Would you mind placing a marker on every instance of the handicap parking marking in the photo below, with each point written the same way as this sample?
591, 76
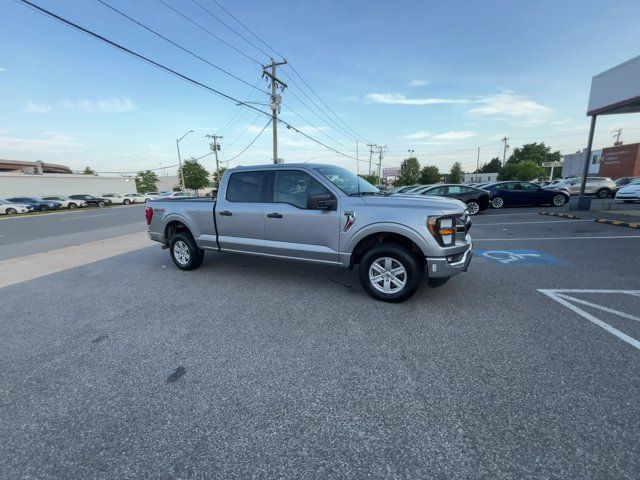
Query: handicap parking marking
518, 257
563, 298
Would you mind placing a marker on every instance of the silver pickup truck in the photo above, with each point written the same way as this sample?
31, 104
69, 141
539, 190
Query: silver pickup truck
323, 214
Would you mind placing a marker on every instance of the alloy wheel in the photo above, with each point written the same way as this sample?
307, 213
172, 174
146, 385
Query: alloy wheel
181, 252
387, 275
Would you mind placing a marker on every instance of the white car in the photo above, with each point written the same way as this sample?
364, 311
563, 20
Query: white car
117, 199
66, 202
137, 197
8, 208
175, 195
630, 193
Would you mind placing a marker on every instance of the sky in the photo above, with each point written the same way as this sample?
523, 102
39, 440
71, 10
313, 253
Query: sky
439, 78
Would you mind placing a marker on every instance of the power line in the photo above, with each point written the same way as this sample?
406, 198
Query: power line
313, 126
184, 49
251, 143
207, 31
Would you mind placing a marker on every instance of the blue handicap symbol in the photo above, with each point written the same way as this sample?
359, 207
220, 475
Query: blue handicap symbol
517, 257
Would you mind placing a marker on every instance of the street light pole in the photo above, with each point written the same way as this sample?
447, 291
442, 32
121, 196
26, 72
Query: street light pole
180, 158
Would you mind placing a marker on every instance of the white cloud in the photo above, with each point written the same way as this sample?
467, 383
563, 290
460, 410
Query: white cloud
417, 135
516, 107
108, 105
2, 69
38, 107
417, 83
400, 99
460, 135
50, 143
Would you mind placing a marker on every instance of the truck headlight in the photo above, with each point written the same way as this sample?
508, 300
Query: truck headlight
443, 230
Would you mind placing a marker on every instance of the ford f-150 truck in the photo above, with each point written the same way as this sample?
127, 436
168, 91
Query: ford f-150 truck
323, 214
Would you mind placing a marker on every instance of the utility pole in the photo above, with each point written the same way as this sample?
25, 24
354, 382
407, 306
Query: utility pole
381, 149
215, 148
180, 158
275, 100
478, 165
616, 134
371, 146
504, 152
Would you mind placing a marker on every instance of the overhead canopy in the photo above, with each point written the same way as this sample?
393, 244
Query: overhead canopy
616, 90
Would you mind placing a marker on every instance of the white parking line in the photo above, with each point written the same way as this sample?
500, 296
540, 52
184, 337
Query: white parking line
477, 224
599, 307
551, 238
553, 294
87, 216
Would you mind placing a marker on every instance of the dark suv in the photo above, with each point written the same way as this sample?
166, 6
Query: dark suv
91, 200
36, 202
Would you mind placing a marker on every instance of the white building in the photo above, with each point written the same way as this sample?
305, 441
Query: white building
573, 163
17, 183
480, 177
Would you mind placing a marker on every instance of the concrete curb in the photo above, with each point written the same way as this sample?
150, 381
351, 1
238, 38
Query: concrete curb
563, 215
617, 223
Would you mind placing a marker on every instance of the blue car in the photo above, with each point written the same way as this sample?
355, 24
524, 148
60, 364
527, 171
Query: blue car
518, 194
36, 203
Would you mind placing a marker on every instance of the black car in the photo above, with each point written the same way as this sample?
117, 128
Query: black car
624, 181
511, 194
36, 203
91, 200
477, 200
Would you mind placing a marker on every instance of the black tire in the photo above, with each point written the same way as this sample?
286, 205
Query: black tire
195, 255
603, 193
438, 282
72, 205
11, 211
400, 255
44, 208
101, 204
497, 202
127, 202
473, 207
555, 201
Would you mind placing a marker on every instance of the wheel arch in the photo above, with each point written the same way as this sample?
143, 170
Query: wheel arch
176, 224
395, 234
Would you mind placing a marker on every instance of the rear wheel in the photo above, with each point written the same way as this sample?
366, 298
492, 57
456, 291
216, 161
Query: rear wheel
72, 205
184, 252
603, 193
473, 207
44, 207
497, 202
101, 204
559, 200
127, 202
390, 273
11, 211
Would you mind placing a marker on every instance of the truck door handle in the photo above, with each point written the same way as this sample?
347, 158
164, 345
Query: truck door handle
274, 215
226, 213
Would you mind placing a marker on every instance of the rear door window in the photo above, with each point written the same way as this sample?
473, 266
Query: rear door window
248, 187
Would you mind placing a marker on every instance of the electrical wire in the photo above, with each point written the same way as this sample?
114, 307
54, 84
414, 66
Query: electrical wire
184, 49
250, 144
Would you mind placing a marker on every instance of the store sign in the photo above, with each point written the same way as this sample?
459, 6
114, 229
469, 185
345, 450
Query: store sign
391, 172
617, 90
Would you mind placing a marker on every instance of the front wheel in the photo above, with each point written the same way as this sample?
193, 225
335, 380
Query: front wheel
497, 202
184, 252
603, 193
127, 202
44, 208
559, 200
101, 204
390, 273
473, 207
72, 205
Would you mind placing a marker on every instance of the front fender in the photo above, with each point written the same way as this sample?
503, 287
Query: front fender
427, 246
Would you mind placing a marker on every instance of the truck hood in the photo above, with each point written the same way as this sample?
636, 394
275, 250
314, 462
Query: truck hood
448, 206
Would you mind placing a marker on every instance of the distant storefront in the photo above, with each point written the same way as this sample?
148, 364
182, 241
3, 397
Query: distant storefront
620, 161
480, 177
573, 163
13, 184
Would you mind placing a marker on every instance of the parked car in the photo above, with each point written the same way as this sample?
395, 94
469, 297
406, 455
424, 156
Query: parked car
477, 200
91, 200
36, 203
514, 193
175, 195
67, 202
321, 214
117, 199
630, 193
601, 187
8, 208
137, 197
621, 182
402, 189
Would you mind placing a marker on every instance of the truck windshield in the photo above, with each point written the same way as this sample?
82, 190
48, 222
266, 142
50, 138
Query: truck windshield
347, 181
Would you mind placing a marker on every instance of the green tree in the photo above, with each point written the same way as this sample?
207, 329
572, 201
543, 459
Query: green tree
534, 152
429, 174
372, 178
525, 171
493, 166
146, 181
88, 171
456, 175
409, 172
195, 175
216, 181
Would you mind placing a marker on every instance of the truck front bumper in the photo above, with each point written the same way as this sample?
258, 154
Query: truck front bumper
439, 267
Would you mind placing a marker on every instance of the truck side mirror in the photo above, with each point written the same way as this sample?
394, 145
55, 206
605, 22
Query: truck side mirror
322, 201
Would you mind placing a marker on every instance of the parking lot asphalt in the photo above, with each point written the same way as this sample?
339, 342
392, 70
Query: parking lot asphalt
251, 367
28, 234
